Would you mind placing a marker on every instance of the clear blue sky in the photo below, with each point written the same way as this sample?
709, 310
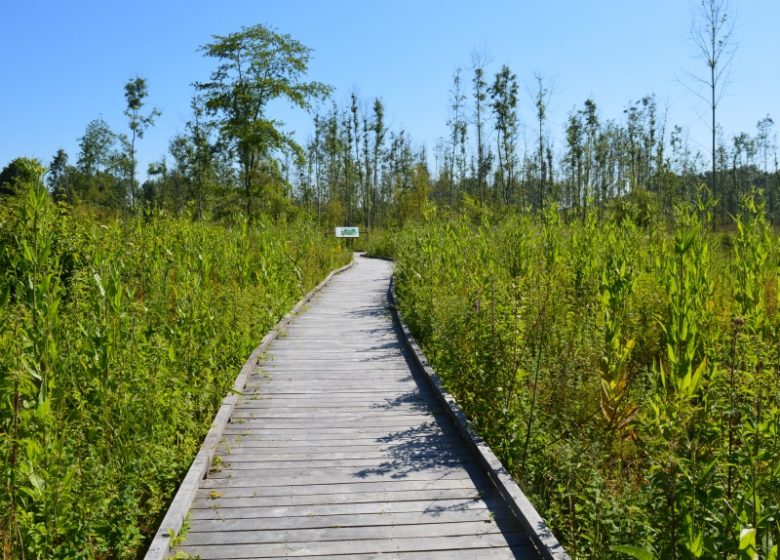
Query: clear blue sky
65, 63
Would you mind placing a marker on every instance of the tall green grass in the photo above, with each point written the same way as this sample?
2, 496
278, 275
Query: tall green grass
625, 370
118, 341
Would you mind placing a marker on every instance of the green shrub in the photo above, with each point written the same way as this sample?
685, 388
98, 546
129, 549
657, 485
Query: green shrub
118, 341
624, 370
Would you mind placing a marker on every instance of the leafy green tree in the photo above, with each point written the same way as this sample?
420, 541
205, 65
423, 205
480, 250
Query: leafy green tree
480, 92
402, 164
96, 147
574, 156
57, 170
205, 156
591, 120
333, 167
20, 171
256, 66
355, 135
351, 185
315, 157
458, 129
100, 166
367, 168
378, 127
764, 142
503, 94
196, 174
541, 99
764, 146
135, 93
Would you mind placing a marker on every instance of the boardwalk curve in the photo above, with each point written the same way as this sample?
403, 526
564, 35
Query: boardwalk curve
339, 448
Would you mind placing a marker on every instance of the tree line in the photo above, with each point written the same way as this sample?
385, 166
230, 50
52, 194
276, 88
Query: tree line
233, 158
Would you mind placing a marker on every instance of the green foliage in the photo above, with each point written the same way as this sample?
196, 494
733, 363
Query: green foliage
617, 283
380, 243
503, 95
256, 65
135, 93
19, 172
625, 370
118, 341
97, 148
634, 552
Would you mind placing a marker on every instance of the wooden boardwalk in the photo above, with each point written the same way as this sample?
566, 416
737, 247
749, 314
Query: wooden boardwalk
339, 449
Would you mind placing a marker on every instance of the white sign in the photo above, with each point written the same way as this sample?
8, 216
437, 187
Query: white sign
347, 232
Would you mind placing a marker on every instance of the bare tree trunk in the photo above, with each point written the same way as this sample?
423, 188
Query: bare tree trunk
712, 34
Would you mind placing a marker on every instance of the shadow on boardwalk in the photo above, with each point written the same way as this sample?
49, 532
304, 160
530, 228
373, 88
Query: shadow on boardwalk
422, 448
349, 454
413, 401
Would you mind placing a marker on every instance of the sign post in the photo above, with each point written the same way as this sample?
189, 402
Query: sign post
349, 233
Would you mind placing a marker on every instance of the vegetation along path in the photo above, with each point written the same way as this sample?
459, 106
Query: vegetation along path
338, 448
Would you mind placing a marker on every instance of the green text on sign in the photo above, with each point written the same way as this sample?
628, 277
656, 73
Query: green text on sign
347, 232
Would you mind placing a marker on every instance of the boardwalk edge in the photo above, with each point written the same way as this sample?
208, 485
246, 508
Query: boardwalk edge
538, 530
173, 521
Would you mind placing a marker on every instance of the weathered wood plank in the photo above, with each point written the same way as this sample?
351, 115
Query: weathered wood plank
347, 489
376, 418
326, 436
262, 410
509, 553
298, 549
297, 450
325, 476
383, 433
240, 452
384, 462
253, 456
359, 520
382, 428
218, 501
431, 506
386, 469
264, 389
280, 407
337, 447
315, 441
325, 386
333, 374
423, 531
